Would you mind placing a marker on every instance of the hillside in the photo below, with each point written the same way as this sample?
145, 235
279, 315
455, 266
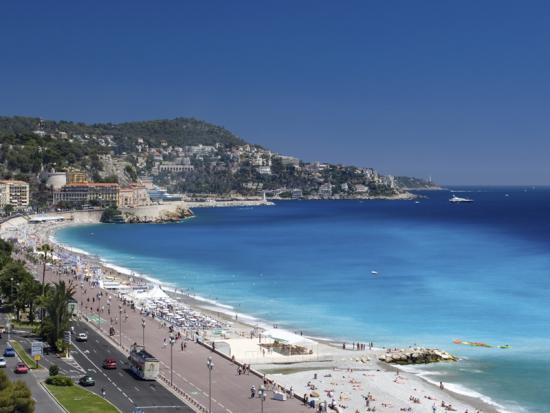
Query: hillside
179, 131
183, 155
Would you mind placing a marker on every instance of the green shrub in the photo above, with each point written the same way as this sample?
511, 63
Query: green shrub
54, 370
59, 381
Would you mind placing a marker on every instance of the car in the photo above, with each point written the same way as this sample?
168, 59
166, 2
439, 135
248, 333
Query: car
9, 352
82, 337
87, 381
2, 362
21, 368
109, 364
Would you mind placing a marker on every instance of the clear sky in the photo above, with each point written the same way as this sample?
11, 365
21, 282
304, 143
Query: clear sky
459, 90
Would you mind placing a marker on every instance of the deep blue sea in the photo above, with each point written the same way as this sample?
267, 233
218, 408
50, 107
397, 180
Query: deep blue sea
476, 272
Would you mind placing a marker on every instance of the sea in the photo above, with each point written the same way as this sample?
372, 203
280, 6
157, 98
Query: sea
397, 273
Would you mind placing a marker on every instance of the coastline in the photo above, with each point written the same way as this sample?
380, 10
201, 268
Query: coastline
246, 322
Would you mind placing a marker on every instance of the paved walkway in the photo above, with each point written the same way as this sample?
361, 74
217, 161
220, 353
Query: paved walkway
230, 392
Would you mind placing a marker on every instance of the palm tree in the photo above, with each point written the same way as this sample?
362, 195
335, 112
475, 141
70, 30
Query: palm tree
45, 249
57, 306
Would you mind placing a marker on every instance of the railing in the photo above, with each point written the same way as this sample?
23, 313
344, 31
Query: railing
183, 394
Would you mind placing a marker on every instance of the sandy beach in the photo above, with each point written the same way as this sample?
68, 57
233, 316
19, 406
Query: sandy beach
349, 379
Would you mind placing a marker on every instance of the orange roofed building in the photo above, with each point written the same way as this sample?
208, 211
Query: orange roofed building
91, 193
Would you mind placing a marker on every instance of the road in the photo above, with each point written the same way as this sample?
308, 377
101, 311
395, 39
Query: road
230, 392
32, 379
121, 387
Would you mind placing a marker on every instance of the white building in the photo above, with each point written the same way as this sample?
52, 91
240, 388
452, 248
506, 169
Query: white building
325, 190
15, 193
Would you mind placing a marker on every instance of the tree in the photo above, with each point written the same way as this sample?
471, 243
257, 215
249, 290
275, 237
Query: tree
12, 275
5, 252
8, 209
28, 296
15, 397
45, 249
22, 396
57, 306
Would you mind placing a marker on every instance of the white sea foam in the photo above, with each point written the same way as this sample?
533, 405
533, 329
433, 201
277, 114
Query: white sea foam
455, 387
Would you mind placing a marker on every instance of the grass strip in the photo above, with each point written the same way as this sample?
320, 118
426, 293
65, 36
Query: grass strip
23, 355
75, 399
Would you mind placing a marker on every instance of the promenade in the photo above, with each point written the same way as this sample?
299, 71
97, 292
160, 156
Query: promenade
190, 375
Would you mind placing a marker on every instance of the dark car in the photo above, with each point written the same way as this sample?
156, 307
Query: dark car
87, 381
21, 368
109, 364
9, 352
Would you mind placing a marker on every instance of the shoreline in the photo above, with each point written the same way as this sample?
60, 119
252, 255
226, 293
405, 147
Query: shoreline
244, 322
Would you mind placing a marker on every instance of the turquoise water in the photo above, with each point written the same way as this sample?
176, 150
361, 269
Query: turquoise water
477, 272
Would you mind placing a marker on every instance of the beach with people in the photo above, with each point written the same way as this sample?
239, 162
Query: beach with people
343, 376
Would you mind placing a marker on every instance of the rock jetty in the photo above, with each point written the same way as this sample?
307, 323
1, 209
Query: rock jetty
416, 356
162, 216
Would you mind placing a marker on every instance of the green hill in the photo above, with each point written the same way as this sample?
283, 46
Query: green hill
178, 131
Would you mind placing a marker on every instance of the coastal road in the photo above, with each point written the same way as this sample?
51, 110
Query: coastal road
230, 392
31, 379
122, 388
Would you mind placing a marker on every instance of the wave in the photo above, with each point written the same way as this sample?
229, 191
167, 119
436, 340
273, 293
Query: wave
457, 388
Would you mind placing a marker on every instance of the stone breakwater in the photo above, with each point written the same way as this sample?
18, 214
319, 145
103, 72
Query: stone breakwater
156, 214
416, 356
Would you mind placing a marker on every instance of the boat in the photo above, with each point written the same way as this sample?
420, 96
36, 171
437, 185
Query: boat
457, 200
374, 273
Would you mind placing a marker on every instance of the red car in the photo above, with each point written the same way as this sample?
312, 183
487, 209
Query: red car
109, 364
21, 368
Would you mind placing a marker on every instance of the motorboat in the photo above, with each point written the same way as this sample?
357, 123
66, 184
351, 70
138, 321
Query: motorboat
457, 200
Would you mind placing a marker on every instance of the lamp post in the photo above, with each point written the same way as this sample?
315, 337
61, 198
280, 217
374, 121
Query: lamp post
120, 322
143, 327
81, 297
210, 366
98, 311
11, 292
261, 394
172, 341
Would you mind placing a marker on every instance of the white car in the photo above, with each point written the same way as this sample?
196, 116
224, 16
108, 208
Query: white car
82, 337
2, 362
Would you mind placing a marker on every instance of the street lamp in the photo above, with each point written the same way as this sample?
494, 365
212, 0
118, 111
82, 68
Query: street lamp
120, 322
11, 292
172, 341
261, 394
210, 366
98, 311
143, 327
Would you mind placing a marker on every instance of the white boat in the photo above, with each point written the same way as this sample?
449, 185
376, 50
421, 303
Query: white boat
374, 273
457, 200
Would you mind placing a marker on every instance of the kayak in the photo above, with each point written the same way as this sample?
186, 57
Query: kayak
480, 344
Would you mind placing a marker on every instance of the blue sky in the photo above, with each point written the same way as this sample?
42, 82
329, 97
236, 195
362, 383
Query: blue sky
459, 90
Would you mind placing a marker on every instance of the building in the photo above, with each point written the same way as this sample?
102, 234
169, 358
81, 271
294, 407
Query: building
14, 193
56, 180
133, 196
289, 161
100, 194
173, 167
74, 176
325, 190
264, 170
297, 193
361, 189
